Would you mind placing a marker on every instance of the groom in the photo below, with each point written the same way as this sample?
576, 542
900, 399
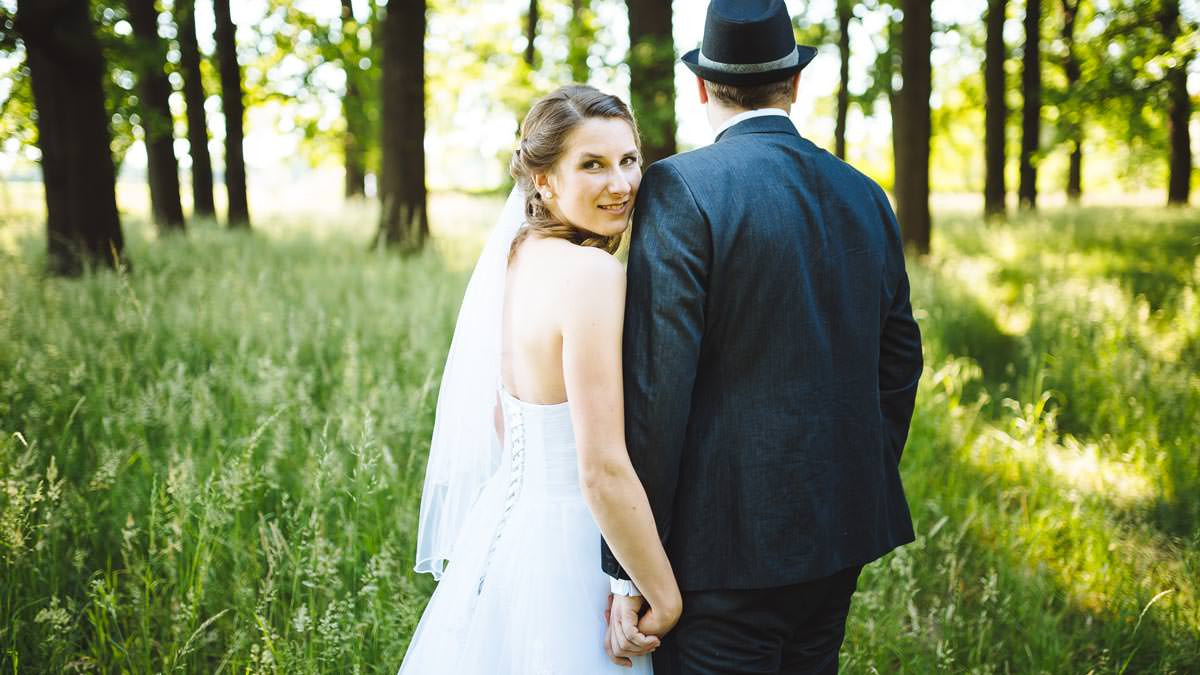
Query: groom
771, 362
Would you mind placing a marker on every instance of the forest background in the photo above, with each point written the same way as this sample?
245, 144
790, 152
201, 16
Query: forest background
233, 237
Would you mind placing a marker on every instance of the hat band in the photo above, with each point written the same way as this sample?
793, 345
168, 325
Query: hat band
743, 68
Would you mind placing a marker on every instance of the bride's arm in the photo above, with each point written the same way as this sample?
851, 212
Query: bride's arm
591, 333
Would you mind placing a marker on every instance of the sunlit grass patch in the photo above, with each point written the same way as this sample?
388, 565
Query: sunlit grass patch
211, 462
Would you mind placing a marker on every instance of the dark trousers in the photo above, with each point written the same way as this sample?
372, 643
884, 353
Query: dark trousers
791, 629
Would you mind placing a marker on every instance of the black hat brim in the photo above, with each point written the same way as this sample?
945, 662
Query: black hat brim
692, 61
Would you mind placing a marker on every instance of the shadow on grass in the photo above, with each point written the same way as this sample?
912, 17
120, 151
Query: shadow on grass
1150, 252
1111, 626
1013, 572
1109, 381
954, 322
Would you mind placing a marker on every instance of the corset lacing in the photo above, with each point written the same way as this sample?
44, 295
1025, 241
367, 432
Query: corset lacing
516, 429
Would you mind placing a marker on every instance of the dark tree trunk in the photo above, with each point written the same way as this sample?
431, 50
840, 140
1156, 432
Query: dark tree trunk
581, 34
531, 22
154, 92
652, 75
912, 125
404, 222
995, 112
844, 12
193, 95
66, 70
1179, 114
1031, 113
1074, 121
234, 108
352, 108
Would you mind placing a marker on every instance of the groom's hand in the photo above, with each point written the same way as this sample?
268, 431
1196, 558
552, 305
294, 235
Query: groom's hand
623, 640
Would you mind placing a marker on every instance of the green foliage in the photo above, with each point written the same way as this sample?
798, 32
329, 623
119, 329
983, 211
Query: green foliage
1051, 465
121, 55
233, 481
653, 100
214, 464
308, 63
581, 35
18, 116
1125, 61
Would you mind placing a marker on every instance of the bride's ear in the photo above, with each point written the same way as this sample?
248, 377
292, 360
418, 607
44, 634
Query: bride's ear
542, 183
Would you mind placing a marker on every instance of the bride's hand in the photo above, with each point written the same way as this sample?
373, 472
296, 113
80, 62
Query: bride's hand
624, 639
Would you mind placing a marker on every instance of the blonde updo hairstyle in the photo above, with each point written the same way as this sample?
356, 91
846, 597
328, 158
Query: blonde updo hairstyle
543, 143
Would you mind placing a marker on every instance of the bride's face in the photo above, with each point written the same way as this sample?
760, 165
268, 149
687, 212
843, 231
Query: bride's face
595, 181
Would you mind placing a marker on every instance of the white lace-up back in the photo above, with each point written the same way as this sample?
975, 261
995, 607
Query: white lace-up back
529, 549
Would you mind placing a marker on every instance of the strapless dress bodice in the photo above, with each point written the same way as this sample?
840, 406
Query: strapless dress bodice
539, 449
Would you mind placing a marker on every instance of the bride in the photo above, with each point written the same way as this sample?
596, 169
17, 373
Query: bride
528, 465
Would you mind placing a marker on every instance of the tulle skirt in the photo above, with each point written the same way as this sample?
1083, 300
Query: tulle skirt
523, 594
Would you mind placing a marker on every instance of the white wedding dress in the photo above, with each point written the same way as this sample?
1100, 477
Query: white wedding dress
523, 593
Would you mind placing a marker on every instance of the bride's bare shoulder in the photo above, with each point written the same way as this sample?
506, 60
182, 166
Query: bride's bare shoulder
575, 268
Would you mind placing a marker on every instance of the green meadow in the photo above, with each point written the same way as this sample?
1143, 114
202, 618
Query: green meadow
211, 462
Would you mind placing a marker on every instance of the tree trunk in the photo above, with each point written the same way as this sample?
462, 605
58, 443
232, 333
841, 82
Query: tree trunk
404, 222
995, 112
1074, 121
913, 125
154, 92
193, 95
652, 76
531, 32
66, 69
234, 108
1179, 114
844, 13
581, 33
1031, 113
352, 108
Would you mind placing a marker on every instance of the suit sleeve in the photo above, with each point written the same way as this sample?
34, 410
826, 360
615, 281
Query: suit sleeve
669, 257
900, 360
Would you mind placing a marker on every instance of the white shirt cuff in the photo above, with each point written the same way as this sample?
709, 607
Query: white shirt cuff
623, 587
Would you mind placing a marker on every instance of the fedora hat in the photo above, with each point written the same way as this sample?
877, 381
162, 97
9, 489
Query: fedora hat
748, 42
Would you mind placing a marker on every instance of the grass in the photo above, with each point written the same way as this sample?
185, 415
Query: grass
212, 463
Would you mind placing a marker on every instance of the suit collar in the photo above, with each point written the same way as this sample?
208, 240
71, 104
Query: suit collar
772, 124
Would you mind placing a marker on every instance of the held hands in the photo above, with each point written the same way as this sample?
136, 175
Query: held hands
631, 632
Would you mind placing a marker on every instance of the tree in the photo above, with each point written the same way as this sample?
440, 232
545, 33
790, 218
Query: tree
154, 91
1073, 118
652, 75
234, 109
404, 221
352, 107
996, 110
197, 120
912, 126
65, 67
1179, 110
531, 22
845, 11
1031, 112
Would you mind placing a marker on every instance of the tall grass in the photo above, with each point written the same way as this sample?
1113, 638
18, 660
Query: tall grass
212, 462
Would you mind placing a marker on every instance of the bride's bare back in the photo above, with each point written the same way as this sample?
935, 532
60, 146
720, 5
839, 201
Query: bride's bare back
543, 285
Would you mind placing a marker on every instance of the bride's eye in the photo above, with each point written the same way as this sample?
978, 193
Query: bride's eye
629, 160
591, 164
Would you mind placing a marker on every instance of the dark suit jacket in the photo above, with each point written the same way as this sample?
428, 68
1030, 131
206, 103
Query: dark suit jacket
771, 361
